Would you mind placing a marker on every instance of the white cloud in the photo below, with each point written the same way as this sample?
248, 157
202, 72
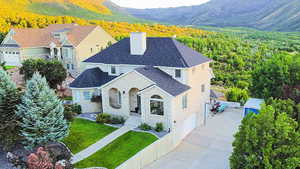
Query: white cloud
157, 3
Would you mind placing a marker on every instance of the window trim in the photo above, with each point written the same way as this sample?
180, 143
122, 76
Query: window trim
157, 100
111, 70
184, 100
203, 88
176, 73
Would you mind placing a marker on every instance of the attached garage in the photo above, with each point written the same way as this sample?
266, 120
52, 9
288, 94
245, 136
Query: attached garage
12, 58
10, 53
184, 128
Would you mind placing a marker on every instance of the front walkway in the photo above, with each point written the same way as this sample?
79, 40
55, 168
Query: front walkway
206, 147
100, 144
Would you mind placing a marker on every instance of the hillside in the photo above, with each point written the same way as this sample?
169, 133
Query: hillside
277, 15
88, 9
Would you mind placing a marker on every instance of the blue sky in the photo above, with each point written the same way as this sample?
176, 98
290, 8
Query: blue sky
157, 3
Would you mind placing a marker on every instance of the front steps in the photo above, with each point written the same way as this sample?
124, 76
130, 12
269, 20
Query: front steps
133, 121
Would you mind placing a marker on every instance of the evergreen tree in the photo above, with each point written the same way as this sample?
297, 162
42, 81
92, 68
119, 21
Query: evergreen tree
42, 114
266, 141
9, 98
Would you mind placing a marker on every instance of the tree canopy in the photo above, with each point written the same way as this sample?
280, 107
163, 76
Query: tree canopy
266, 141
52, 70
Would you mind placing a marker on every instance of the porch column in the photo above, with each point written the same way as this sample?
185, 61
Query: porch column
51, 53
58, 53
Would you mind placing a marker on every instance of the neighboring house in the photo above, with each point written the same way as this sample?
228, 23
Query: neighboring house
158, 80
69, 43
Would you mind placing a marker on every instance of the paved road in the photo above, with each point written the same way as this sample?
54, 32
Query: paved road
207, 147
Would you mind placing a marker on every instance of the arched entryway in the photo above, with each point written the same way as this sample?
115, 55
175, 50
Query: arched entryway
134, 101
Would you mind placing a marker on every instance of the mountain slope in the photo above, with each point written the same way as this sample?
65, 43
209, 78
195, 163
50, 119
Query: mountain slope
282, 15
87, 9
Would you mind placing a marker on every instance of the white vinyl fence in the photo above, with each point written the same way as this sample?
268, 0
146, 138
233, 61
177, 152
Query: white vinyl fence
151, 153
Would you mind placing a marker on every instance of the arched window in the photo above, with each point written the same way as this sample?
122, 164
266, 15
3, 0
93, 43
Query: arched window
157, 105
115, 98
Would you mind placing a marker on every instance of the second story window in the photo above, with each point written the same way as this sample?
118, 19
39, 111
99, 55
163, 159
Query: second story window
91, 50
203, 88
113, 70
177, 73
184, 102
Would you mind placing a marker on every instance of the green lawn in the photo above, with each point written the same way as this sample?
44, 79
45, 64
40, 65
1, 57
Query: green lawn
84, 133
9, 67
118, 151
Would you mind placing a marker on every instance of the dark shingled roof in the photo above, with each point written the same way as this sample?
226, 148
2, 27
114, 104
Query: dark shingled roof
91, 78
163, 80
160, 52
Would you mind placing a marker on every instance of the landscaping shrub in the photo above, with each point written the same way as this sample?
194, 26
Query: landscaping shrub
117, 120
71, 111
103, 118
76, 108
237, 95
40, 160
159, 127
145, 127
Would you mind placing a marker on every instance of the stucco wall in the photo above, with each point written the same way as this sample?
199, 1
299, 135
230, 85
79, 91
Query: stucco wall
86, 105
96, 37
171, 72
34, 52
198, 76
124, 84
152, 119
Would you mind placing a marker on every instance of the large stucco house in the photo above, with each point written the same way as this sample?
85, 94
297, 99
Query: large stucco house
69, 43
157, 80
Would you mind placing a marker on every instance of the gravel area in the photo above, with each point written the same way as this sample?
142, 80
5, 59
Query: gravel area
4, 164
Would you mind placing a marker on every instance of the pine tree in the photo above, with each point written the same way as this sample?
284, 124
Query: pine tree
9, 98
42, 114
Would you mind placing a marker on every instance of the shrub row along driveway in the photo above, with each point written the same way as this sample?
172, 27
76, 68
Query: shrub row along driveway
206, 147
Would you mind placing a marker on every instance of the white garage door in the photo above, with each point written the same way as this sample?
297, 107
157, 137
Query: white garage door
12, 59
184, 128
188, 125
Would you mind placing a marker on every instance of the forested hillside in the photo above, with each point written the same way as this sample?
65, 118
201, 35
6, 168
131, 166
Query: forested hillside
278, 15
236, 52
88, 9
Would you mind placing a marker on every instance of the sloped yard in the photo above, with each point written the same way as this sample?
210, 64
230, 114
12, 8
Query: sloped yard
84, 133
118, 151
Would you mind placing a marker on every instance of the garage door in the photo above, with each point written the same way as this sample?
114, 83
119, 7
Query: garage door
188, 125
12, 59
184, 128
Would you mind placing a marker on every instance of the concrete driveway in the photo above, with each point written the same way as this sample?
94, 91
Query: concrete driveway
207, 147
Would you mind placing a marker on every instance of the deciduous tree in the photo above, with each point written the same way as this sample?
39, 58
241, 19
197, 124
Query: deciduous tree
266, 141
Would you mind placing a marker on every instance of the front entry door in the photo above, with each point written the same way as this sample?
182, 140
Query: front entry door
133, 101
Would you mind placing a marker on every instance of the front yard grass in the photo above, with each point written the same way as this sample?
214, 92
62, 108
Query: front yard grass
84, 133
9, 67
120, 150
